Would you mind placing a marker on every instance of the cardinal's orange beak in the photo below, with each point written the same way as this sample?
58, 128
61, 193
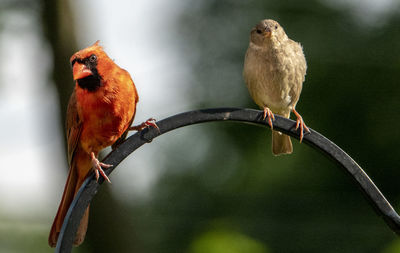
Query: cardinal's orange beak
79, 71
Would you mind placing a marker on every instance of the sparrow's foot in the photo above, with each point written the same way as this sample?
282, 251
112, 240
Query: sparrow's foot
97, 166
268, 113
300, 123
148, 123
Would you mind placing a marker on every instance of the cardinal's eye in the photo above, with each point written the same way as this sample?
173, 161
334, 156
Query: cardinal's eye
93, 58
259, 31
73, 62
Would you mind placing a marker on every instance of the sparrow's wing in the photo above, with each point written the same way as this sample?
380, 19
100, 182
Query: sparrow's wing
299, 67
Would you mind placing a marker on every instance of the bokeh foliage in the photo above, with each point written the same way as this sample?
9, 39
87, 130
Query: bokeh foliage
222, 189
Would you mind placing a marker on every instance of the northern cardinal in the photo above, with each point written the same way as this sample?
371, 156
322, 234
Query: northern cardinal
100, 112
274, 72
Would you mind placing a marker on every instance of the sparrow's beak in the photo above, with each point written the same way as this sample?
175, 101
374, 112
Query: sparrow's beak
79, 71
267, 32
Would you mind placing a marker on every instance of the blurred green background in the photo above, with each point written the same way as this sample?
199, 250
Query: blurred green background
214, 187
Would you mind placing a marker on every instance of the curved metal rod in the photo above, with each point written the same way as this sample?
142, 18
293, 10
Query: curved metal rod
287, 126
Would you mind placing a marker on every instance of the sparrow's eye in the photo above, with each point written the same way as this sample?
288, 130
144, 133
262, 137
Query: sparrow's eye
93, 58
259, 31
276, 27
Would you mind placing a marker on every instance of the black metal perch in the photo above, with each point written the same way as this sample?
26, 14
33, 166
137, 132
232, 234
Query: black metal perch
314, 139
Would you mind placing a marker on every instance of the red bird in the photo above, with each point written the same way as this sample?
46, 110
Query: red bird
100, 111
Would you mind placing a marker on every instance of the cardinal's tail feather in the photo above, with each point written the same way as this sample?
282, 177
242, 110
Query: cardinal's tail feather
71, 187
81, 233
67, 197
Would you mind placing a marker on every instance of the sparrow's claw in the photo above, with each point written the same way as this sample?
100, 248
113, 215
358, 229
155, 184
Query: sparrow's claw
268, 113
97, 166
148, 123
300, 123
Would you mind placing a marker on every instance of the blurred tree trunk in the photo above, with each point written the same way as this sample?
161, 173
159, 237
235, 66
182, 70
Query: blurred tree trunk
59, 30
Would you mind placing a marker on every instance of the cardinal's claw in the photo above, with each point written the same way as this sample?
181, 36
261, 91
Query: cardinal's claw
300, 123
148, 123
97, 166
268, 113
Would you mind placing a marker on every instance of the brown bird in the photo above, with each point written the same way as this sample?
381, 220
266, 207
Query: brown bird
100, 111
274, 72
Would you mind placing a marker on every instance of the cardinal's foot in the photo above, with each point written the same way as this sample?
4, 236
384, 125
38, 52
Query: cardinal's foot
148, 123
97, 166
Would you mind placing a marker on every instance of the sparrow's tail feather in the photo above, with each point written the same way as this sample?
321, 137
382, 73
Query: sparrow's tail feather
281, 143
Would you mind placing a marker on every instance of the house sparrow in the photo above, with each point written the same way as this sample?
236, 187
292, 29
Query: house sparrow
274, 71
